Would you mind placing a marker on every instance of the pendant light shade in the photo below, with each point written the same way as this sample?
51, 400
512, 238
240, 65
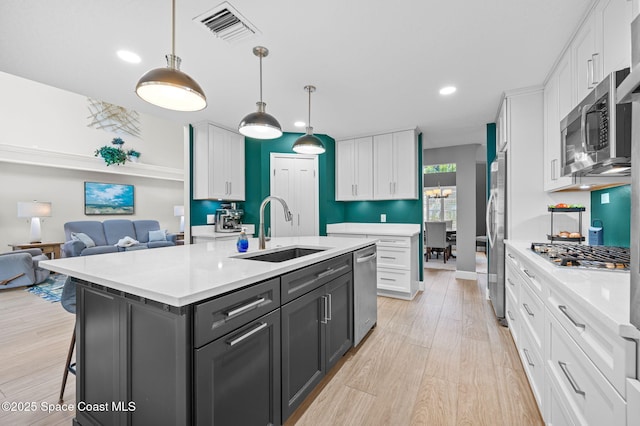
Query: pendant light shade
169, 87
259, 124
309, 144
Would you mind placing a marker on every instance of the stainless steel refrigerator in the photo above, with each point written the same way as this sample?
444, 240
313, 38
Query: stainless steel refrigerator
496, 233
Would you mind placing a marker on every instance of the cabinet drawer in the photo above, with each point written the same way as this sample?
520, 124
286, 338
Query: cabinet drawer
586, 393
613, 355
394, 280
531, 311
531, 277
533, 363
513, 281
513, 316
391, 241
224, 314
394, 257
297, 283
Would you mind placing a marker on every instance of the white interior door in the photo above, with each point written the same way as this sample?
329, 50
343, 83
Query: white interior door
294, 178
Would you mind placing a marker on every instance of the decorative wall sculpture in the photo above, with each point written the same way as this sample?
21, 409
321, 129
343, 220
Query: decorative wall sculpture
113, 118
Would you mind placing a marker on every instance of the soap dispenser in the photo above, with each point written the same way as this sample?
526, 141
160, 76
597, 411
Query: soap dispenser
243, 242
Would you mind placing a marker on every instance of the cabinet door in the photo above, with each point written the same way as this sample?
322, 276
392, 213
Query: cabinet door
584, 54
303, 347
404, 165
219, 157
238, 376
383, 167
340, 323
345, 160
235, 167
613, 19
363, 168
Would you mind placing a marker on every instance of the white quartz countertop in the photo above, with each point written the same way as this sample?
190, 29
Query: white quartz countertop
395, 229
182, 275
605, 293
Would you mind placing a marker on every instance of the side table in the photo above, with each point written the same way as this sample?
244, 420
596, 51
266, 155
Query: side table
52, 250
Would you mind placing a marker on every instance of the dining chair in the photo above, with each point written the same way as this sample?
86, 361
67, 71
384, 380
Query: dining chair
68, 302
436, 240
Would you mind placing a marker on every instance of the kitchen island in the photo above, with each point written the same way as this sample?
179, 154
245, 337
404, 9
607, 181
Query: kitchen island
196, 334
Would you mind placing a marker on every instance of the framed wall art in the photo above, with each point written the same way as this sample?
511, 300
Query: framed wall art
108, 198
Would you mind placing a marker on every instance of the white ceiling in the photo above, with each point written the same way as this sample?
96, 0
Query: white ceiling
377, 65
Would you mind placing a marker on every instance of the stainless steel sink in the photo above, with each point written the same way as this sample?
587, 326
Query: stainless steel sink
281, 255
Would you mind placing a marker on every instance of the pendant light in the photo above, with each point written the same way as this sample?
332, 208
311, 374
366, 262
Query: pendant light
260, 125
169, 87
309, 144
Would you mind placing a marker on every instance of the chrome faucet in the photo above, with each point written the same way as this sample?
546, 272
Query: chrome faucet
287, 216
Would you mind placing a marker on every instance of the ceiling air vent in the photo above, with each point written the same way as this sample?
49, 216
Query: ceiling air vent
226, 23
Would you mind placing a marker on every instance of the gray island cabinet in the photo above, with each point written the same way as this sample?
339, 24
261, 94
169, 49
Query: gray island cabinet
247, 352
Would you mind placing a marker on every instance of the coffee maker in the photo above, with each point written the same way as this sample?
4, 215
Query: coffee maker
229, 220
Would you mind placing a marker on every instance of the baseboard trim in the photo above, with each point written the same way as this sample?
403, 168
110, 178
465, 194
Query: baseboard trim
466, 275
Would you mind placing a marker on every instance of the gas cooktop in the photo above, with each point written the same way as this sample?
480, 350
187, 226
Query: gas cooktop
583, 256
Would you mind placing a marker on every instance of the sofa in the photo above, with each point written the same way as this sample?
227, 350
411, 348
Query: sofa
88, 237
20, 268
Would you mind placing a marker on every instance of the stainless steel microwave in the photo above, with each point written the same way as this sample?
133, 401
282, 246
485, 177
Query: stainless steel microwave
596, 135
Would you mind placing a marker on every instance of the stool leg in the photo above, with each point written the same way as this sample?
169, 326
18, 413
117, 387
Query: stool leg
67, 364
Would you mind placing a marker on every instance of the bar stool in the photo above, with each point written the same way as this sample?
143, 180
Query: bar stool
68, 302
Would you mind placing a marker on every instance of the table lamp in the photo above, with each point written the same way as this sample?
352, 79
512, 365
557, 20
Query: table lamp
179, 211
34, 210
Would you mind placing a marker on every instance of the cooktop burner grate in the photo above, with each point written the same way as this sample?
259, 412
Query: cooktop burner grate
592, 257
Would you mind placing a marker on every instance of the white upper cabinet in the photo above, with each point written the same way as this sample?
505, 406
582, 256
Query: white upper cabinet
218, 163
502, 127
600, 46
395, 157
354, 169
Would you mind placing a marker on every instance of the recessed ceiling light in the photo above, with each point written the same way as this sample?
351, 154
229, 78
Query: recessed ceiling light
447, 90
300, 124
128, 56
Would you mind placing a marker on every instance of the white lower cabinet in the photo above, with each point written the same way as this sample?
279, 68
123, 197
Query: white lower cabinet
577, 367
588, 396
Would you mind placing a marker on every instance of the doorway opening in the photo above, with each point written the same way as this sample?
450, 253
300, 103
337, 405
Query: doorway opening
440, 205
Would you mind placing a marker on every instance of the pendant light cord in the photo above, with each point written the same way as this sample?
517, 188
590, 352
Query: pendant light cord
173, 28
261, 55
309, 121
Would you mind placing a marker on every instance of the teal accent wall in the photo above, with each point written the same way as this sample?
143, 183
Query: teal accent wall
257, 158
397, 211
491, 152
615, 216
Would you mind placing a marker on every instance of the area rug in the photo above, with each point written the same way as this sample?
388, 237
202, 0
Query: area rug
50, 289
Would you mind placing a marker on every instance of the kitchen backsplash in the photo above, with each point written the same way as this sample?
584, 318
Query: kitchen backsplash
613, 207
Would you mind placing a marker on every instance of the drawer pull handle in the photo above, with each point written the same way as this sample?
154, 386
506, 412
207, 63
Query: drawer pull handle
366, 258
386, 257
387, 279
526, 308
526, 355
526, 271
511, 256
572, 381
331, 271
244, 308
563, 309
247, 334
511, 282
388, 241
511, 316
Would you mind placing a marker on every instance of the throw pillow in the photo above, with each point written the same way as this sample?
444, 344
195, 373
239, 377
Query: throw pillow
159, 235
79, 236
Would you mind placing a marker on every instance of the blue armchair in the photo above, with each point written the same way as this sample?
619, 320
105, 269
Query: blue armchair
20, 268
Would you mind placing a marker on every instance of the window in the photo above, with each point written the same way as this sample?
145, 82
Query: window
441, 208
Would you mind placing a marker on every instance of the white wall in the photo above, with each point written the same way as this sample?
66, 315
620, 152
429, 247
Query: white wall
36, 115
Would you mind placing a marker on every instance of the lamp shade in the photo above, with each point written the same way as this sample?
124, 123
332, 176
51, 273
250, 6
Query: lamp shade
34, 209
308, 144
260, 125
170, 88
178, 210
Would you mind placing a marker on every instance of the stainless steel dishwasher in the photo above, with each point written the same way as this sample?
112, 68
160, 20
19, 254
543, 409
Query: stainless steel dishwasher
365, 312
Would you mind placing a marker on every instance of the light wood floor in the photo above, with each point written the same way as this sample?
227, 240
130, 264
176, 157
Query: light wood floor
440, 359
